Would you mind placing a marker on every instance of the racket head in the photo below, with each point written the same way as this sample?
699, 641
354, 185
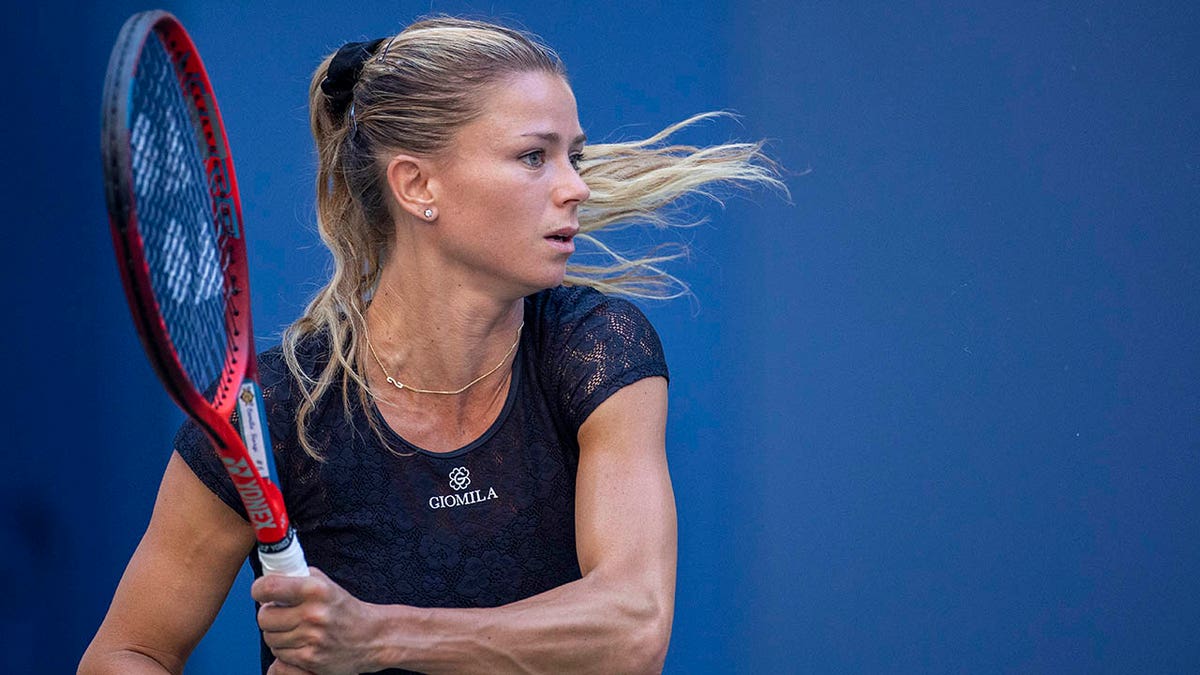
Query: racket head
175, 215
176, 222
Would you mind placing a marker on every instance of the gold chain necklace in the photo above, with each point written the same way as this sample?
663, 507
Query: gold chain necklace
400, 385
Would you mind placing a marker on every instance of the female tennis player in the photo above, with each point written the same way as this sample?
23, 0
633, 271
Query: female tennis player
468, 431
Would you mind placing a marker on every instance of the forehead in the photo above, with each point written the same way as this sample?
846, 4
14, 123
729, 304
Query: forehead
525, 103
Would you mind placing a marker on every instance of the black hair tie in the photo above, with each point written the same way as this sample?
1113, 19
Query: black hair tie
343, 72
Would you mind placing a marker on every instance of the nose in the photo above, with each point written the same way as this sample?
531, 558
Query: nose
572, 191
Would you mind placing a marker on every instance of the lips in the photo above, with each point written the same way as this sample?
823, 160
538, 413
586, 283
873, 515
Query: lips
563, 233
563, 239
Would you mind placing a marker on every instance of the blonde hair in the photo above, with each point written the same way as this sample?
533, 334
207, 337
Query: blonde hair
418, 89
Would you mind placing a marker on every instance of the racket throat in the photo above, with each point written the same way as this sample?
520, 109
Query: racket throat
252, 423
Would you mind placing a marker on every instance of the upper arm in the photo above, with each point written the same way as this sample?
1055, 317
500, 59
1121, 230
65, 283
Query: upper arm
177, 578
625, 507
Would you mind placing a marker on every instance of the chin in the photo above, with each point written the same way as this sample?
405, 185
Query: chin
528, 285
549, 280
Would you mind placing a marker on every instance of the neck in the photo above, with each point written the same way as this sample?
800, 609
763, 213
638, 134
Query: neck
437, 336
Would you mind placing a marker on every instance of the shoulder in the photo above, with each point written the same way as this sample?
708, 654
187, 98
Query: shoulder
562, 310
311, 353
562, 301
589, 345
280, 382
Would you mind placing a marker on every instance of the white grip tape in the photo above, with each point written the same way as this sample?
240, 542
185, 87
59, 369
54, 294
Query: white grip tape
288, 562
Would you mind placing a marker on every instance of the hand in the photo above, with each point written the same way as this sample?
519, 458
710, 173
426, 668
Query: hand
312, 625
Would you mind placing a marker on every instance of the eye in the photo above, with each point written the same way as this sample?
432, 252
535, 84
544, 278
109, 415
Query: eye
576, 159
534, 159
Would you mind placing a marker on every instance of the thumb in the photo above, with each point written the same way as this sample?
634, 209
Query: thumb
279, 589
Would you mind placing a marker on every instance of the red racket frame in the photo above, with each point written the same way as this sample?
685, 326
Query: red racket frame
262, 498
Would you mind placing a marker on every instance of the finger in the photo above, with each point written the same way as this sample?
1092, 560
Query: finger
283, 643
275, 588
280, 668
278, 618
284, 590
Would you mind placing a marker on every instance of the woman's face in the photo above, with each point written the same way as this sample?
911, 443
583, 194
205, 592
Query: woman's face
507, 189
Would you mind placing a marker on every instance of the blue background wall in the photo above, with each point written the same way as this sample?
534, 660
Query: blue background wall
937, 414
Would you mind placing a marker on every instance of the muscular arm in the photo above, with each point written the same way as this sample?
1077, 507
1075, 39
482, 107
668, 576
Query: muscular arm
175, 583
616, 619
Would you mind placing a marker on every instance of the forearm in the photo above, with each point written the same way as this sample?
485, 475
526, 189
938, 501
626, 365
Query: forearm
590, 625
616, 619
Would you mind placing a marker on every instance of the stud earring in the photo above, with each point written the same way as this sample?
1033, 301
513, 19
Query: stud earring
429, 214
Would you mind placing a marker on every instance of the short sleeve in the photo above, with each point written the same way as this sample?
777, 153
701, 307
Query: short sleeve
195, 448
599, 345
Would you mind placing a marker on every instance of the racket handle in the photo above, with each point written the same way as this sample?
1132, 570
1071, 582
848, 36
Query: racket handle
288, 562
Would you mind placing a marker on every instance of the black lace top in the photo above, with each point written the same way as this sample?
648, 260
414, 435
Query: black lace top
482, 526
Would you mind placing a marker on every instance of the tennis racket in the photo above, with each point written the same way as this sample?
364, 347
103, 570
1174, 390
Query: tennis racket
176, 222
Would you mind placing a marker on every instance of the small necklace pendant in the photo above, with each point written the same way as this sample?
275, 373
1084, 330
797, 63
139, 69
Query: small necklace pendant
400, 385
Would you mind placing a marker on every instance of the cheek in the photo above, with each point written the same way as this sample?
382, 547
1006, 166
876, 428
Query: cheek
467, 202
495, 205
506, 206
480, 191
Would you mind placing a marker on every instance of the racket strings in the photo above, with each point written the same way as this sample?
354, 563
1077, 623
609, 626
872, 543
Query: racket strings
182, 239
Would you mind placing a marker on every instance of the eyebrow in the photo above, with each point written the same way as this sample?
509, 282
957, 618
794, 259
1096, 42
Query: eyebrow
553, 137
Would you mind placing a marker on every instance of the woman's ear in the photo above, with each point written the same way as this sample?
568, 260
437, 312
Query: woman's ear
408, 179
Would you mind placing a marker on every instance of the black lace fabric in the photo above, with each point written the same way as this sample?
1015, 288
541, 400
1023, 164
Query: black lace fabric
488, 524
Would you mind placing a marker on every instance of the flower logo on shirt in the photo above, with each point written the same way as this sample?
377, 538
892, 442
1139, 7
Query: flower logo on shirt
460, 478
